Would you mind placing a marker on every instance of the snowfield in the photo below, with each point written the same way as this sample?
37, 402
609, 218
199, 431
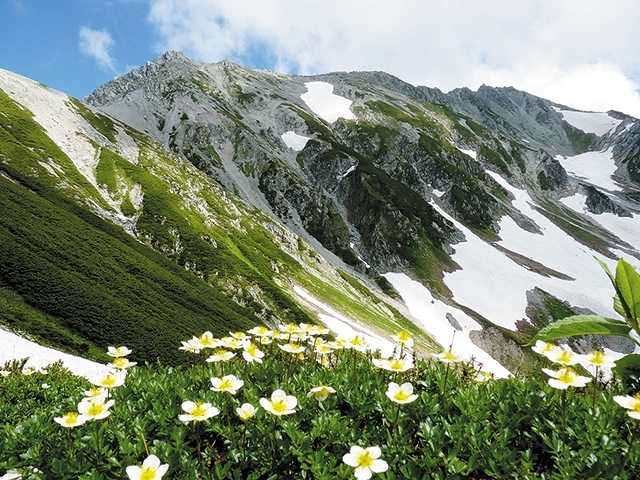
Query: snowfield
294, 141
432, 314
14, 347
321, 100
593, 167
599, 123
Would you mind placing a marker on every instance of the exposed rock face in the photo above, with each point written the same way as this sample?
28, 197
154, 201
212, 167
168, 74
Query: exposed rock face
364, 188
597, 202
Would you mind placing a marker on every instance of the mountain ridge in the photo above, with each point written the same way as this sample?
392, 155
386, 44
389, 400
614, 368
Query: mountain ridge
407, 180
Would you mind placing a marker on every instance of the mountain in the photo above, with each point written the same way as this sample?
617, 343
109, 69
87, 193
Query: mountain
471, 216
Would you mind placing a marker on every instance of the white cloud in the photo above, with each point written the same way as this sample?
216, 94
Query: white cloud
96, 44
582, 53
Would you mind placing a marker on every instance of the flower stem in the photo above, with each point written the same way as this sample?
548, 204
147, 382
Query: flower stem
626, 455
595, 389
564, 416
395, 422
444, 389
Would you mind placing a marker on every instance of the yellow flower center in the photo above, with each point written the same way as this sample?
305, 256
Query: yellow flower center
279, 406
148, 473
567, 376
199, 411
396, 364
365, 459
109, 381
252, 349
71, 418
401, 395
449, 355
95, 409
404, 336
120, 362
565, 357
597, 357
226, 384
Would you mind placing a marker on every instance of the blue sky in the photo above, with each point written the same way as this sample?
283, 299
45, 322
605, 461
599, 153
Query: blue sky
581, 53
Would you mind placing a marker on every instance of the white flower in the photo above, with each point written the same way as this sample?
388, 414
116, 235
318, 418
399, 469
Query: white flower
122, 363
252, 353
394, 364
207, 340
542, 347
365, 461
246, 411
10, 476
448, 357
404, 338
599, 359
4, 373
232, 343
150, 470
118, 351
321, 392
220, 355
96, 392
228, 383
564, 356
192, 345
280, 403
630, 403
95, 409
292, 348
71, 419
401, 393
111, 379
565, 377
260, 331
197, 411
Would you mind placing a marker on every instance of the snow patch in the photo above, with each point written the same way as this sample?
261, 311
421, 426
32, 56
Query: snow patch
433, 316
593, 167
471, 153
342, 325
626, 229
294, 141
321, 100
599, 123
14, 347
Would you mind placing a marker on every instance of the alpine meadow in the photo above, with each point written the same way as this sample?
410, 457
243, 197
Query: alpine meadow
273, 276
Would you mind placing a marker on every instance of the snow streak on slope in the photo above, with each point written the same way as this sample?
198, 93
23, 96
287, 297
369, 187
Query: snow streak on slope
294, 141
590, 122
593, 167
433, 316
626, 229
321, 100
14, 347
494, 285
341, 325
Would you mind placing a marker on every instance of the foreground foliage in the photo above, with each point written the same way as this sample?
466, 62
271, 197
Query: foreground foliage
435, 419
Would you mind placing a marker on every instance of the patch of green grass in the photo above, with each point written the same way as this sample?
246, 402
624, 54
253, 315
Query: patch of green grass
100, 122
580, 141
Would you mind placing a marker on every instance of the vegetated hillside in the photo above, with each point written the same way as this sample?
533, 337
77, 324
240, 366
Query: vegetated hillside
182, 257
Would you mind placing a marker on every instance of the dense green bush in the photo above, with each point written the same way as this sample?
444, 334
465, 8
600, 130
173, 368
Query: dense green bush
458, 427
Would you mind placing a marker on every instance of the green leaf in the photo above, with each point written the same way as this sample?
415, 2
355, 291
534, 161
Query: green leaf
628, 367
618, 305
581, 325
628, 286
